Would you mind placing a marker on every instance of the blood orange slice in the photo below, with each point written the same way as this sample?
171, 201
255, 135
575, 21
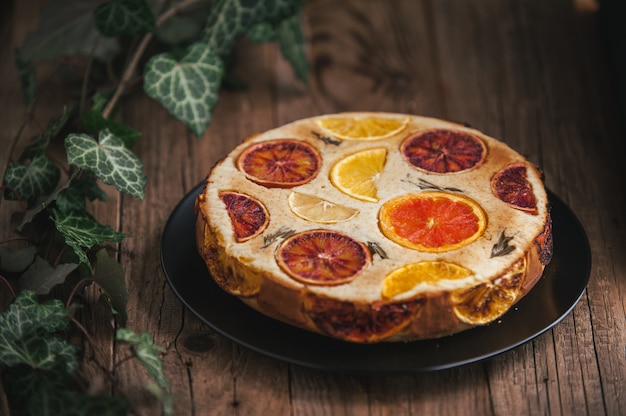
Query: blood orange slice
487, 301
444, 151
360, 323
248, 216
407, 277
322, 257
432, 221
281, 163
511, 186
367, 128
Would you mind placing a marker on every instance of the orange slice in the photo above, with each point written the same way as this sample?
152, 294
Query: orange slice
248, 216
281, 163
315, 209
487, 301
368, 128
444, 151
511, 186
322, 257
432, 221
407, 277
356, 174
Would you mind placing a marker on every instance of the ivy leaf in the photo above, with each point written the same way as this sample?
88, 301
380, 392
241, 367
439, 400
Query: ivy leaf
41, 277
146, 352
28, 80
27, 334
93, 122
81, 231
184, 28
109, 276
67, 29
18, 260
230, 19
186, 88
31, 179
262, 32
41, 143
124, 17
292, 45
109, 159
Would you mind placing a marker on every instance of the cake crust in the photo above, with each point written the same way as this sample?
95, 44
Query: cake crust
357, 311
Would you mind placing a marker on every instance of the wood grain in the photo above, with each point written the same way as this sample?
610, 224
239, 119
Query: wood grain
532, 73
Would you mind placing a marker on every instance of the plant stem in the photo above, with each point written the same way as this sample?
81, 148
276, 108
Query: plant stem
8, 285
130, 69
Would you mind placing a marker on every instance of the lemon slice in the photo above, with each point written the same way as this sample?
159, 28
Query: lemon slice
366, 128
407, 277
356, 174
316, 209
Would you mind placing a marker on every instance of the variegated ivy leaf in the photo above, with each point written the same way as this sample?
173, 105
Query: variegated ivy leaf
93, 122
230, 19
109, 276
146, 351
67, 29
41, 277
109, 159
28, 81
262, 32
41, 143
124, 17
27, 337
188, 87
81, 231
31, 179
292, 45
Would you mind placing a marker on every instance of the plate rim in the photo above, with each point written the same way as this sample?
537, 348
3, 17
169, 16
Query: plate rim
317, 362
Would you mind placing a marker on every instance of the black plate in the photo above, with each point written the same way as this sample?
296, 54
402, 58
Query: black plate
562, 285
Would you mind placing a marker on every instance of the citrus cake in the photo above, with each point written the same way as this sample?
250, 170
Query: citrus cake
371, 226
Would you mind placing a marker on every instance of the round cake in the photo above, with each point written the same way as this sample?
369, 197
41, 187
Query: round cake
371, 226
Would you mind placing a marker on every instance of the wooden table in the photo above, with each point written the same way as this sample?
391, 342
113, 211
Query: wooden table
533, 73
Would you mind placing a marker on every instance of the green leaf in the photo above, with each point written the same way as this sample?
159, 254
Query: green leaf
81, 231
93, 122
28, 79
41, 277
187, 88
262, 32
292, 46
27, 337
109, 275
48, 393
230, 19
109, 159
31, 180
146, 352
18, 260
124, 17
70, 199
68, 28
41, 143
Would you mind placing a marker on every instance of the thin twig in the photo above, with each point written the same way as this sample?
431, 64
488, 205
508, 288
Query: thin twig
76, 287
8, 284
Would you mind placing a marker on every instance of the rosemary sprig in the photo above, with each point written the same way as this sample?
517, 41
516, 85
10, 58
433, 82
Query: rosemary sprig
502, 247
424, 184
282, 232
325, 139
375, 248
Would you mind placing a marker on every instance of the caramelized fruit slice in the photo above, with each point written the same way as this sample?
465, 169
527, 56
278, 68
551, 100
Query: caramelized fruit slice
444, 151
511, 186
322, 257
407, 277
487, 301
368, 128
315, 209
248, 216
360, 323
432, 221
282, 163
356, 174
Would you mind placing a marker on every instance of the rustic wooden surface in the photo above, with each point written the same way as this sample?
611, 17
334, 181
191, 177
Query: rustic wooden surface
533, 73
